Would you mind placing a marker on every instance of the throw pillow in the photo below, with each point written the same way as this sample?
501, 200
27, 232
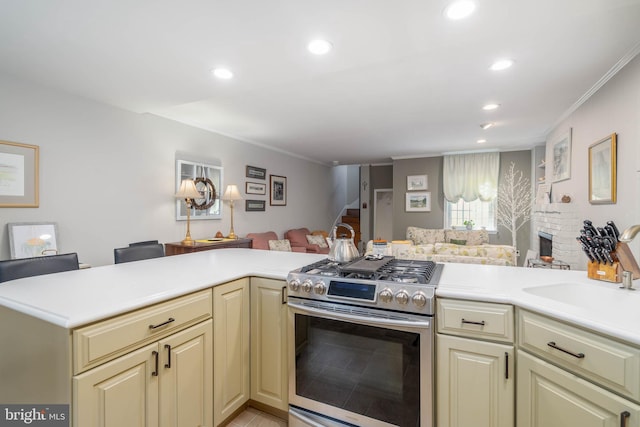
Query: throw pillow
458, 241
317, 240
280, 245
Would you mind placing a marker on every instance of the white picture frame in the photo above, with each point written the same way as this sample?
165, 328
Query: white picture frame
32, 239
417, 182
561, 156
209, 182
419, 201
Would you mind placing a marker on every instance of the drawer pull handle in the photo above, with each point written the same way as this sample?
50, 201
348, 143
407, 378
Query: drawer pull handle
168, 348
576, 355
471, 322
624, 416
171, 319
506, 365
155, 372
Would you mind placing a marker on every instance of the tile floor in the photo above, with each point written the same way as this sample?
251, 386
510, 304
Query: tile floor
252, 417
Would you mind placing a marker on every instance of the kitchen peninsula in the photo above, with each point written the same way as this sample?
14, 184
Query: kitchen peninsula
59, 331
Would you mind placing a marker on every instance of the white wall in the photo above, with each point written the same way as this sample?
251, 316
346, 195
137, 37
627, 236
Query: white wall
615, 108
107, 176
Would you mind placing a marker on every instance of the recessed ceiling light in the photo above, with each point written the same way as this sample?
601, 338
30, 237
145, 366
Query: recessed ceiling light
489, 107
459, 9
319, 47
501, 64
223, 73
481, 141
486, 126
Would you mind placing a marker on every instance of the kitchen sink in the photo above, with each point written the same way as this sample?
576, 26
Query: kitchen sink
587, 296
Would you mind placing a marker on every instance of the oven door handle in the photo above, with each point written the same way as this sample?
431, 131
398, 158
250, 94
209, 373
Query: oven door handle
308, 421
373, 321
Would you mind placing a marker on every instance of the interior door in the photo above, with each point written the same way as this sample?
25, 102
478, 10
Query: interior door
383, 214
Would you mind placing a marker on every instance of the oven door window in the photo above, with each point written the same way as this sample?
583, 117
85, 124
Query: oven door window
362, 369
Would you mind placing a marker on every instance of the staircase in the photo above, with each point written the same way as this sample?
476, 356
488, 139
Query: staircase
353, 219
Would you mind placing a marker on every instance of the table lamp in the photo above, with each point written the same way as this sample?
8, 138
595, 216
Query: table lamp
188, 192
231, 194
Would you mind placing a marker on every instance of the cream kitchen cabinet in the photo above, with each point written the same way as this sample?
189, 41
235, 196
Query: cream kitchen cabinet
231, 344
168, 383
475, 383
552, 397
269, 379
594, 380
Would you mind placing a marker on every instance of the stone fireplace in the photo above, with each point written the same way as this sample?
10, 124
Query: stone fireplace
561, 221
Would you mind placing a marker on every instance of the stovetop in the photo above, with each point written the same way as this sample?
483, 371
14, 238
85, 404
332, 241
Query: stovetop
380, 282
385, 268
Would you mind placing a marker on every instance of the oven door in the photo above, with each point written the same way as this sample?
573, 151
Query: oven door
359, 366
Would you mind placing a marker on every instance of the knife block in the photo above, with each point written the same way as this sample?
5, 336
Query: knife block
613, 273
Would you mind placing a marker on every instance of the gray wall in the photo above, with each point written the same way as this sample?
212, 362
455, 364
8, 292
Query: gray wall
432, 167
614, 108
107, 176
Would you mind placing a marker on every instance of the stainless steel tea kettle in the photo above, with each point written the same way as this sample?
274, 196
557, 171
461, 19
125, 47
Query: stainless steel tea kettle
343, 249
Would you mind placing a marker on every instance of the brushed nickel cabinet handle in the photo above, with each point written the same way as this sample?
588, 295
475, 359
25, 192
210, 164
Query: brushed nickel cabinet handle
168, 348
171, 319
155, 372
471, 322
576, 355
624, 416
506, 365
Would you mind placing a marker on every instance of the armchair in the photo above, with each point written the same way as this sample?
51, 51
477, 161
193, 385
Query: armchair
298, 239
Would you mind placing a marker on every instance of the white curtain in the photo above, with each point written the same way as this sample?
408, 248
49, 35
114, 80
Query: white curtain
471, 176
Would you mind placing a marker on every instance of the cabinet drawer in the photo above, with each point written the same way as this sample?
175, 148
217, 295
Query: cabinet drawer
475, 319
612, 364
103, 341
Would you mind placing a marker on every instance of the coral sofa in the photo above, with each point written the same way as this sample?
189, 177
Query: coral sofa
269, 241
462, 246
303, 238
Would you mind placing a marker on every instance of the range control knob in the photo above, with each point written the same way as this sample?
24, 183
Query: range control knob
319, 288
402, 297
307, 285
386, 295
294, 285
419, 299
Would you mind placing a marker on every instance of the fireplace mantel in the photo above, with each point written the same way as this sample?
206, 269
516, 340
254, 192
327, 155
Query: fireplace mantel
562, 222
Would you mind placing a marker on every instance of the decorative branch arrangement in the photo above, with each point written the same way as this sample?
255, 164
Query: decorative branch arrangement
514, 201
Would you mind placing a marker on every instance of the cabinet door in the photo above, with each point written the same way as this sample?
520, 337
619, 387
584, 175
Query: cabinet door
186, 377
269, 342
123, 392
231, 363
551, 397
475, 383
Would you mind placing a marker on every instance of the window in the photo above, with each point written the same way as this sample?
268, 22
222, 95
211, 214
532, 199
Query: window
483, 214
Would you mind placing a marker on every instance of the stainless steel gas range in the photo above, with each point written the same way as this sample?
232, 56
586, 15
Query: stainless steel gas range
361, 342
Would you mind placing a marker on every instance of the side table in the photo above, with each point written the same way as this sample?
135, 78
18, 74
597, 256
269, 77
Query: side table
177, 248
538, 263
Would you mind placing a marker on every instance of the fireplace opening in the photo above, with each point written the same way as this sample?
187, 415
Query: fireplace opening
546, 243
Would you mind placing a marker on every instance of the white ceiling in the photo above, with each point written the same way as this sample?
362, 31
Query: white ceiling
401, 81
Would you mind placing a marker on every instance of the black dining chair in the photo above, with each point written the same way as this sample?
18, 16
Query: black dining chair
138, 252
146, 242
26, 267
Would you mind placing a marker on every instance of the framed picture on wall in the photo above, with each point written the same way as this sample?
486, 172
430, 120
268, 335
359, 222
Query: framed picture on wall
277, 190
254, 205
255, 188
419, 201
32, 239
561, 152
416, 182
19, 164
602, 171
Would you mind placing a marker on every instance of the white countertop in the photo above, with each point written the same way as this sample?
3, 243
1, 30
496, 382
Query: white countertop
75, 298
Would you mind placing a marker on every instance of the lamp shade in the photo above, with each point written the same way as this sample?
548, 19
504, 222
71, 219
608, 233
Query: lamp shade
231, 193
188, 190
